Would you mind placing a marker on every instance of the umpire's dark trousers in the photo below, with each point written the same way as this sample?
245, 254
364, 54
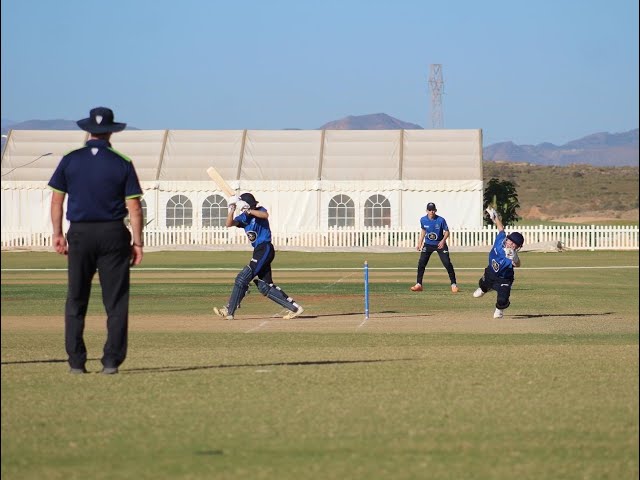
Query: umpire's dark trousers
105, 246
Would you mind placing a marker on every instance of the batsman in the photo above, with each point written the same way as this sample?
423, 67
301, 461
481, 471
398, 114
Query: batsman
254, 220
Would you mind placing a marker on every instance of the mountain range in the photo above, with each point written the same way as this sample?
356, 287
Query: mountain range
601, 149
374, 121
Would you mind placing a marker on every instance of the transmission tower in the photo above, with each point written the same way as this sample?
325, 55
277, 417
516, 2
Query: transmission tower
436, 85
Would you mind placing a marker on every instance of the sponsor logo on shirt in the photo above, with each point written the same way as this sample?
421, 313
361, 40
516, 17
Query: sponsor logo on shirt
495, 266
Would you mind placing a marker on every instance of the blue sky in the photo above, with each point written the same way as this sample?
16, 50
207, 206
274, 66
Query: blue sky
522, 71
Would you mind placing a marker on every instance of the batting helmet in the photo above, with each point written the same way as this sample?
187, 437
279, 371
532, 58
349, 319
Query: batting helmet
250, 199
516, 238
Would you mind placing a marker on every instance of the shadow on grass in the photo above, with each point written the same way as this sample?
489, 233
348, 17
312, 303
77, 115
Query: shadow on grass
210, 452
53, 360
240, 365
543, 315
254, 365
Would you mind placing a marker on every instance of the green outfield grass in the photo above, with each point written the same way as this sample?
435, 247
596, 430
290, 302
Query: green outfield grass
431, 386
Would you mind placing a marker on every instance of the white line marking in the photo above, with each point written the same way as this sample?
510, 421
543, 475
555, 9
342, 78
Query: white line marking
258, 327
357, 269
363, 322
571, 268
340, 279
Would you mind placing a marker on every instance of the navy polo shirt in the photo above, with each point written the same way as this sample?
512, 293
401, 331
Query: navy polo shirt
98, 180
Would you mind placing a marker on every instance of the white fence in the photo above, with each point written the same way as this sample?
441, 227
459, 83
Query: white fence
567, 237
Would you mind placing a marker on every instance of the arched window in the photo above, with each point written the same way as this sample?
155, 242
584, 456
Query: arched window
214, 211
377, 211
342, 212
179, 212
143, 204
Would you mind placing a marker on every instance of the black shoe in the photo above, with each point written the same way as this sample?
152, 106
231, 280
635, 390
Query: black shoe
77, 371
109, 370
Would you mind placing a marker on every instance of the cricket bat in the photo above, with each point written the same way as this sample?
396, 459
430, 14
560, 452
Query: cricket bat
224, 186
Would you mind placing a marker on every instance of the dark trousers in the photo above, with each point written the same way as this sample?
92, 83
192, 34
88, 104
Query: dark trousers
263, 255
502, 286
443, 253
105, 246
260, 267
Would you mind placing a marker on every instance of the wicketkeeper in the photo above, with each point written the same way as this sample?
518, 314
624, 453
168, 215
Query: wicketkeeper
503, 257
254, 220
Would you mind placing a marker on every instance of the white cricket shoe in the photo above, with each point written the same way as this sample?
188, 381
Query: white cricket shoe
478, 293
498, 313
222, 312
291, 314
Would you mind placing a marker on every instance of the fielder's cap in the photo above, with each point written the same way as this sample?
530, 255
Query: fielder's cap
431, 207
516, 238
100, 121
250, 199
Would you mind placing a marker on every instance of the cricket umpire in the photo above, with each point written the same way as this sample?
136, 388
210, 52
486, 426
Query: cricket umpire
102, 186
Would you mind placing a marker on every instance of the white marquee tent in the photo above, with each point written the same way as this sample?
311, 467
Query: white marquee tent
308, 179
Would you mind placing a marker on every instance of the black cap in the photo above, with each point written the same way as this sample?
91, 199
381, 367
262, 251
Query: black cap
431, 207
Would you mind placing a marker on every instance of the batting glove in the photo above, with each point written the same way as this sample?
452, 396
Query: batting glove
242, 206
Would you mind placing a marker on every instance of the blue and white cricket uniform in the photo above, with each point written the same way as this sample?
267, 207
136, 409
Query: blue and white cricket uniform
499, 274
434, 229
499, 263
259, 234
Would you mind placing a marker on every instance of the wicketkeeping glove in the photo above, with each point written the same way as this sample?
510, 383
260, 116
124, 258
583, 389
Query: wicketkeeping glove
511, 254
